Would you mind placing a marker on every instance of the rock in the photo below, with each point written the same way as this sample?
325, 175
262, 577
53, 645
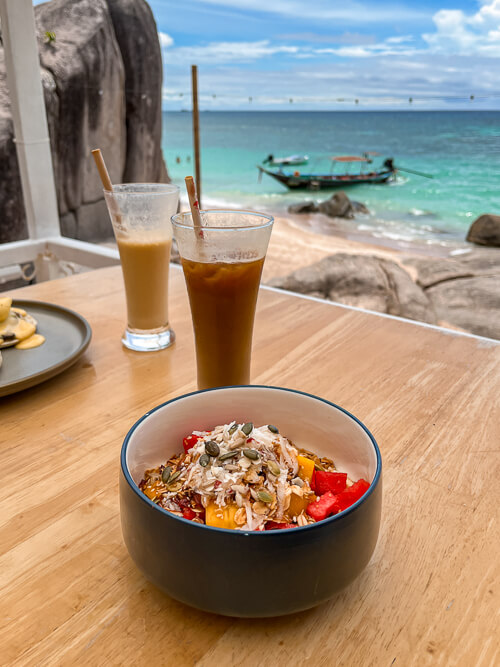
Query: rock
303, 207
470, 303
137, 37
363, 281
338, 206
481, 260
12, 216
485, 230
433, 270
358, 207
102, 79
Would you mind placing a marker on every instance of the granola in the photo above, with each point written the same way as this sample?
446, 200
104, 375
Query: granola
245, 478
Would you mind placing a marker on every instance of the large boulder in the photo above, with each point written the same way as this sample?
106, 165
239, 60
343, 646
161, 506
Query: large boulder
102, 80
464, 290
470, 303
137, 37
485, 230
12, 217
303, 207
363, 281
338, 206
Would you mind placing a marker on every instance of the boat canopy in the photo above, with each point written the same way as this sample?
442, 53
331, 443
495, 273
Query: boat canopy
348, 158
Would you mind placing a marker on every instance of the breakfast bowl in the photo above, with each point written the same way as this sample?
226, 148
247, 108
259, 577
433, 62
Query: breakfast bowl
241, 572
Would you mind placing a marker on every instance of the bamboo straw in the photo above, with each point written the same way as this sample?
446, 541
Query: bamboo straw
194, 205
106, 182
103, 172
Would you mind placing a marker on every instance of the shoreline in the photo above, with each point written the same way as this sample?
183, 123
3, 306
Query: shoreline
298, 240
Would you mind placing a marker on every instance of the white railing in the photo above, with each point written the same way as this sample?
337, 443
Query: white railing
45, 245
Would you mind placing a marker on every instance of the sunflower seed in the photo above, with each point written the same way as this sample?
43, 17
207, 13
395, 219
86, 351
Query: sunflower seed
165, 476
318, 466
247, 428
298, 482
212, 448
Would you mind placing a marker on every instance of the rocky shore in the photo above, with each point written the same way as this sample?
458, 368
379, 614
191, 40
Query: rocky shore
460, 290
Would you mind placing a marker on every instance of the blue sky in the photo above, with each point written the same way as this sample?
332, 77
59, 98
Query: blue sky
317, 52
325, 54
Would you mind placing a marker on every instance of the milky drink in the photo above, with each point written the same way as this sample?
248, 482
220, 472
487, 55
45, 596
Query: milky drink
145, 257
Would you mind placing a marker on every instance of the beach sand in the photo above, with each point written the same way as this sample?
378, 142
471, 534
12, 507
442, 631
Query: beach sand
294, 244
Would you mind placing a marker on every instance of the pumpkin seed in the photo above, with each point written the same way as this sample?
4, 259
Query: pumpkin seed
212, 448
204, 460
251, 454
247, 428
318, 466
173, 477
272, 428
228, 455
233, 428
274, 468
264, 497
165, 476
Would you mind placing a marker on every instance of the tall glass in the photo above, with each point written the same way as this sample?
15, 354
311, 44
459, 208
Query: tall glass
141, 213
222, 266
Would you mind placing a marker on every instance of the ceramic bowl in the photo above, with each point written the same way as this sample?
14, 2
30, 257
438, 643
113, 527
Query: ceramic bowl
250, 574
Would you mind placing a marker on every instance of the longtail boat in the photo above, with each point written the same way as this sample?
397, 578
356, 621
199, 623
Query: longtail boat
290, 161
302, 181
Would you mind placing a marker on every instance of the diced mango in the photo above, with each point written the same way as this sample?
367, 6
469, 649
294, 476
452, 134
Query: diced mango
220, 517
153, 489
306, 468
298, 504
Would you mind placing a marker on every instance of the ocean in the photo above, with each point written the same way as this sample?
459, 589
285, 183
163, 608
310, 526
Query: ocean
460, 149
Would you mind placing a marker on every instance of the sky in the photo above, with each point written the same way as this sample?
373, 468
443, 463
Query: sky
326, 54
330, 54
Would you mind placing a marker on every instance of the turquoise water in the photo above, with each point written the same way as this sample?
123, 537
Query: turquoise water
460, 149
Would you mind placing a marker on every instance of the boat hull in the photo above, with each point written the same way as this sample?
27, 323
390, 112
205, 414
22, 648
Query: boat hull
327, 181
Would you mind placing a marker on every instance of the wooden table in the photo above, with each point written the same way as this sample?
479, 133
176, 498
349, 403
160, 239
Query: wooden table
70, 593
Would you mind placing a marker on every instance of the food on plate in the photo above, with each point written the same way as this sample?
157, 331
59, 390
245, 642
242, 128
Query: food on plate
17, 327
244, 477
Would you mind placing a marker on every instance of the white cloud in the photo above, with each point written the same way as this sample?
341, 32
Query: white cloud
225, 52
434, 81
390, 46
165, 40
459, 33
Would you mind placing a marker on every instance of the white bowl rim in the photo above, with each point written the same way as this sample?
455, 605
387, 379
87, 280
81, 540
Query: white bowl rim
255, 533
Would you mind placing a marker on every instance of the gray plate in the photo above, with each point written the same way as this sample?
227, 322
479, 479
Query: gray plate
67, 336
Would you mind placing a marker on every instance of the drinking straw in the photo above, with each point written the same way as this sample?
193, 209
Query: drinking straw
103, 172
194, 205
106, 181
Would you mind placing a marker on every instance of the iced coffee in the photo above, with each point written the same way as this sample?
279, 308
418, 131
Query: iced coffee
222, 269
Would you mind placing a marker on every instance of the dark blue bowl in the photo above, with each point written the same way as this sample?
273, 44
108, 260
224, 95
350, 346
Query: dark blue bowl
250, 573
